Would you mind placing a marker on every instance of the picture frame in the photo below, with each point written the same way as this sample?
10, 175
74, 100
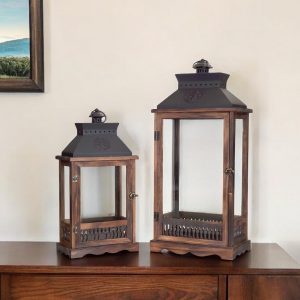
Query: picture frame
35, 81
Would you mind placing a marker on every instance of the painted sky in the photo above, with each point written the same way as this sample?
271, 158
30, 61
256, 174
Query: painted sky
14, 19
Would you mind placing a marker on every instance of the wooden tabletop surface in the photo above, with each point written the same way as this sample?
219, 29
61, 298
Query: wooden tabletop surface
42, 257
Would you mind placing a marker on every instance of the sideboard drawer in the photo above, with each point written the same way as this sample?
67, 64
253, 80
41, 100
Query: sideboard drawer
263, 287
38, 286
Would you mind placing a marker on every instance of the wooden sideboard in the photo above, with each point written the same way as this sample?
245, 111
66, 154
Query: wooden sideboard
37, 271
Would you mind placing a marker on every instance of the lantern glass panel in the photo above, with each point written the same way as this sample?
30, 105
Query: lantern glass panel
201, 166
238, 166
167, 165
98, 192
67, 192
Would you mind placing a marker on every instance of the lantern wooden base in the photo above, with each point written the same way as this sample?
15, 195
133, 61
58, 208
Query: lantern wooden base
98, 250
226, 253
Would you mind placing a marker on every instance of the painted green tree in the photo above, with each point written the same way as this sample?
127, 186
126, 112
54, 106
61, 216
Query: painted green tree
14, 67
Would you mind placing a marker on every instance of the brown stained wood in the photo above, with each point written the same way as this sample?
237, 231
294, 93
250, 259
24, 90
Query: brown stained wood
103, 224
97, 158
175, 164
108, 246
225, 253
241, 115
129, 207
193, 215
5, 289
151, 287
75, 204
98, 219
202, 110
158, 174
191, 241
263, 287
231, 179
100, 163
42, 257
36, 81
245, 175
192, 115
106, 242
133, 202
61, 197
226, 164
222, 287
118, 191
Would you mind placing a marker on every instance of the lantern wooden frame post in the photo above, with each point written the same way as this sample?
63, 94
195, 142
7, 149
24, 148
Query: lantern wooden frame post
233, 229
79, 237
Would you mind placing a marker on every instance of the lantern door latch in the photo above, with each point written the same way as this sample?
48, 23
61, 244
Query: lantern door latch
133, 195
229, 171
156, 216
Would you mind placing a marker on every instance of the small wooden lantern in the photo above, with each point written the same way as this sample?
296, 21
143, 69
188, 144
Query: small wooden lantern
96, 145
202, 96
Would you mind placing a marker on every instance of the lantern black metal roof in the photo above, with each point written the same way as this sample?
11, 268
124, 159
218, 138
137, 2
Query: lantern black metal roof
96, 139
202, 90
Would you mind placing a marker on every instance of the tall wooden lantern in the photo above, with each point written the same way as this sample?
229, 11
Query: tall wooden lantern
183, 226
97, 145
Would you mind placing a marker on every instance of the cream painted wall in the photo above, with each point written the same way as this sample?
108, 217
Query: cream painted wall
120, 56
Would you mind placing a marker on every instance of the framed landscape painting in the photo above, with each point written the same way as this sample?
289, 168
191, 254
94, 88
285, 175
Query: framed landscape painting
21, 46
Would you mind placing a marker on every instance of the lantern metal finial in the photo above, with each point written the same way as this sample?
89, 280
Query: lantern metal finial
98, 116
202, 66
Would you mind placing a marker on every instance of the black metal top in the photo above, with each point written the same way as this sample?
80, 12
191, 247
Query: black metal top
202, 90
96, 139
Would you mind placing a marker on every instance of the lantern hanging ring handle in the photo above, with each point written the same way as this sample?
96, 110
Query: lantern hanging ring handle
97, 115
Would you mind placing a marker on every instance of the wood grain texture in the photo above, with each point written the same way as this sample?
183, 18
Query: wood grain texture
222, 290
96, 248
61, 198
245, 150
5, 286
38, 271
75, 204
36, 81
231, 198
226, 253
249, 287
108, 287
158, 174
42, 257
175, 164
118, 191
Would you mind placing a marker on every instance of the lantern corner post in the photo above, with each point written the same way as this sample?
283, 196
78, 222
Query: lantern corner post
245, 154
75, 182
61, 199
228, 179
131, 200
118, 191
158, 174
176, 165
